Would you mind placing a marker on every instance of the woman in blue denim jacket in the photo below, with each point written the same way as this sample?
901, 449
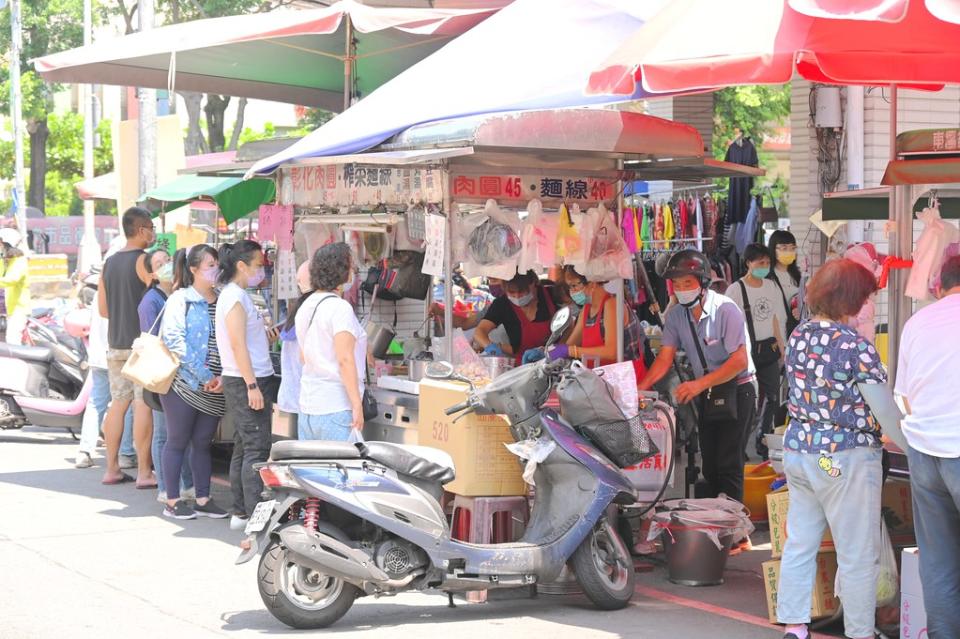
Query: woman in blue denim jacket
195, 403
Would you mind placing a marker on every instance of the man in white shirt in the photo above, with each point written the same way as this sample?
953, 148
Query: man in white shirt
926, 382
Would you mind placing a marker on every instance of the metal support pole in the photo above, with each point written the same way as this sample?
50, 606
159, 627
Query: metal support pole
620, 300
901, 244
448, 265
89, 247
348, 64
16, 108
148, 115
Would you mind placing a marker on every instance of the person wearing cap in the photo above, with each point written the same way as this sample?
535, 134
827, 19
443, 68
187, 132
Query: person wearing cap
719, 328
13, 279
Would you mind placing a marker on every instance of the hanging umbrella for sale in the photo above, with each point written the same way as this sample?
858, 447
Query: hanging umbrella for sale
317, 57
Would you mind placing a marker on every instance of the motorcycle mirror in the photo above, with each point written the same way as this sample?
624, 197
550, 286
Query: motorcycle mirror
559, 324
439, 370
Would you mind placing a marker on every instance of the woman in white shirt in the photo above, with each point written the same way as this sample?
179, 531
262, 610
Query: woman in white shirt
764, 307
247, 369
333, 347
786, 273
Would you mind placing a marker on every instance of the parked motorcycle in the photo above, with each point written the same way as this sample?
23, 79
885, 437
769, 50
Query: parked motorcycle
350, 520
47, 384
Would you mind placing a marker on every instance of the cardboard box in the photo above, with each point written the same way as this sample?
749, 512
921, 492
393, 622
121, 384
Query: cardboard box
823, 603
485, 468
897, 507
913, 617
777, 505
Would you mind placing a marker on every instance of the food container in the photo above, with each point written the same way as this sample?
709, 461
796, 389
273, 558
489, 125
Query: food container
417, 367
496, 366
380, 338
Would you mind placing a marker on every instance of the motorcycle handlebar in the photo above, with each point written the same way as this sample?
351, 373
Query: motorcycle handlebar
456, 408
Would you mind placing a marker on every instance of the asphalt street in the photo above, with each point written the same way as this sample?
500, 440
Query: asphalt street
78, 559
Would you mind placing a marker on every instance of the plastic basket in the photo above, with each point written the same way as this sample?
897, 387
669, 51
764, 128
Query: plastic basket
625, 442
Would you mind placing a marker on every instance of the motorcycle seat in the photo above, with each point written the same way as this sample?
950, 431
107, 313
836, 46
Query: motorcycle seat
313, 449
411, 460
40, 354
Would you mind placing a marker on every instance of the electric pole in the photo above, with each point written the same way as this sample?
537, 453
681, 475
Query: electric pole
148, 114
89, 247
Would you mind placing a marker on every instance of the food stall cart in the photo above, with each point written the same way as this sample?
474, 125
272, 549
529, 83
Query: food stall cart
560, 157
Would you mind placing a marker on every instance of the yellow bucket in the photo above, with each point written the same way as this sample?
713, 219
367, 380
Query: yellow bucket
756, 484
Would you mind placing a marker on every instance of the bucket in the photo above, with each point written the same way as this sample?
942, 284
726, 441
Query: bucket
693, 558
756, 484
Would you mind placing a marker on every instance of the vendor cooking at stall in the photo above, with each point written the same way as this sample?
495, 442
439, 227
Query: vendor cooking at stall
524, 310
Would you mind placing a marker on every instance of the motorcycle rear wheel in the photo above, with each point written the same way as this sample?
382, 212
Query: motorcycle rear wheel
604, 568
301, 597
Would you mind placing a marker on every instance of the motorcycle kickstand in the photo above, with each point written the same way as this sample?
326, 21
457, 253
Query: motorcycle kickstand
450, 603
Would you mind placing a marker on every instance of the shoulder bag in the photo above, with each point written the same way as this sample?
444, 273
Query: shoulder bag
719, 403
792, 322
764, 353
370, 407
151, 364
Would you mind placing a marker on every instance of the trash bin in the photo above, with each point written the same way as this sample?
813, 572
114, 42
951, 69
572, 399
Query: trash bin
697, 536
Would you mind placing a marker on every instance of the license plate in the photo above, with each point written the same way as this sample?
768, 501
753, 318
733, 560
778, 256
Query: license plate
261, 516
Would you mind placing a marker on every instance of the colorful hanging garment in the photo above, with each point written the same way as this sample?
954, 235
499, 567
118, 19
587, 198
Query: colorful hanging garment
669, 228
628, 229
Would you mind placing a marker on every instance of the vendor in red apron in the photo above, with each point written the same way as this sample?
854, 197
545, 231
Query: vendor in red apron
524, 310
594, 337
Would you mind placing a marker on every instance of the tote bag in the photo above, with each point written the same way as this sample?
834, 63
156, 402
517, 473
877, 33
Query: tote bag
151, 364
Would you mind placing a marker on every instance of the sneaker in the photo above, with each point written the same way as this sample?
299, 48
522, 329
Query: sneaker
211, 510
128, 461
189, 494
83, 460
179, 511
238, 522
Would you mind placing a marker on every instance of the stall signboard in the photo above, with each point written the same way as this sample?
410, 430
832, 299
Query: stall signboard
360, 185
525, 187
66, 233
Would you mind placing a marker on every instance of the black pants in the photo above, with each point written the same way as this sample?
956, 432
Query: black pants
251, 443
721, 447
768, 381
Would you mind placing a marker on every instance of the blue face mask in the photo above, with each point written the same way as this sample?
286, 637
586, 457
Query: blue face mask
760, 273
579, 298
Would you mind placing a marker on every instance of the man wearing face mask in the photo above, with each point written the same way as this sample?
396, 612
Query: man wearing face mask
703, 321
524, 311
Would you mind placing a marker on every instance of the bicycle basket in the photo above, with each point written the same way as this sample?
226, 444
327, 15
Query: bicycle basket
625, 442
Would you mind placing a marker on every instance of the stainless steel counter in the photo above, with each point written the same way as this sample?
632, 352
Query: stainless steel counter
398, 418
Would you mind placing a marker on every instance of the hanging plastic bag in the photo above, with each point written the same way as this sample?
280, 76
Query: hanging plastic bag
538, 237
888, 577
492, 243
608, 257
568, 240
535, 451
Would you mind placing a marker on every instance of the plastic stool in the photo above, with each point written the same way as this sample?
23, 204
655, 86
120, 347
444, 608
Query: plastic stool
487, 520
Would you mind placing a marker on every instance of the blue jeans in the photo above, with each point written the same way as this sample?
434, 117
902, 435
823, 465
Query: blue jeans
100, 396
156, 451
329, 427
850, 503
936, 515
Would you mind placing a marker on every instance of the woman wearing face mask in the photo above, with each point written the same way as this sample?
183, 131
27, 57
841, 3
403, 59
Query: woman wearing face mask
786, 273
524, 311
763, 304
151, 310
333, 347
195, 402
593, 338
247, 368
705, 322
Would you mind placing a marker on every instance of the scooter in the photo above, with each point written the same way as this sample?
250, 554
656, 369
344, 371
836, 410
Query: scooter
47, 385
348, 520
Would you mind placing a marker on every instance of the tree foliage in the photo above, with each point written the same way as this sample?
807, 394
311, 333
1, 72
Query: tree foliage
756, 110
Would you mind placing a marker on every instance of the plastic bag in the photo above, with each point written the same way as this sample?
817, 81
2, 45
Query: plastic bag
568, 246
538, 236
491, 242
713, 523
888, 577
608, 257
355, 437
534, 451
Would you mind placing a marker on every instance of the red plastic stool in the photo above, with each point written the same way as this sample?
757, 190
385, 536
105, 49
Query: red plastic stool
487, 520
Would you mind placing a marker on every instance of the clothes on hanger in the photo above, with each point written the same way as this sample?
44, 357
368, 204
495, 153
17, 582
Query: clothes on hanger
738, 198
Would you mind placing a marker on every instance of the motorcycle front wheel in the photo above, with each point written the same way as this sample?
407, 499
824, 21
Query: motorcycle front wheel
604, 568
299, 596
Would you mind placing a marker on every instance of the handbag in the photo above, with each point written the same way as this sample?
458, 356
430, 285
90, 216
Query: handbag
792, 322
370, 407
765, 352
151, 364
768, 214
719, 403
399, 276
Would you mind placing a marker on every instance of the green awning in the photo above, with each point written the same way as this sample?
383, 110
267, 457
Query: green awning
234, 196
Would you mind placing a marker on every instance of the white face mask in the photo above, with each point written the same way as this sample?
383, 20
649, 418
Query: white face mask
688, 298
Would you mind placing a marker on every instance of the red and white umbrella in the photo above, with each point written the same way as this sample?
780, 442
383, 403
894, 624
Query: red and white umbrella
704, 44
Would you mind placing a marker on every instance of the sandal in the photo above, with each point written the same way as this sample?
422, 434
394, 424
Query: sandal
122, 479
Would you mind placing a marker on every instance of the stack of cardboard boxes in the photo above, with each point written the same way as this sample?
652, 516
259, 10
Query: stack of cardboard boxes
824, 603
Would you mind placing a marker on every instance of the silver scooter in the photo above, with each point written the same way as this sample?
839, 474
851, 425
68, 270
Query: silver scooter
349, 520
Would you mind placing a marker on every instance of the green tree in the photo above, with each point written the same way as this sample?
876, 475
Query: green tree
48, 26
756, 110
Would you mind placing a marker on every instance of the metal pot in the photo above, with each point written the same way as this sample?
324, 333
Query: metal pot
496, 365
380, 338
417, 369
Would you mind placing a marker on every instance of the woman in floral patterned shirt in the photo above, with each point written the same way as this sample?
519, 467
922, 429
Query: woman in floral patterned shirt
832, 454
